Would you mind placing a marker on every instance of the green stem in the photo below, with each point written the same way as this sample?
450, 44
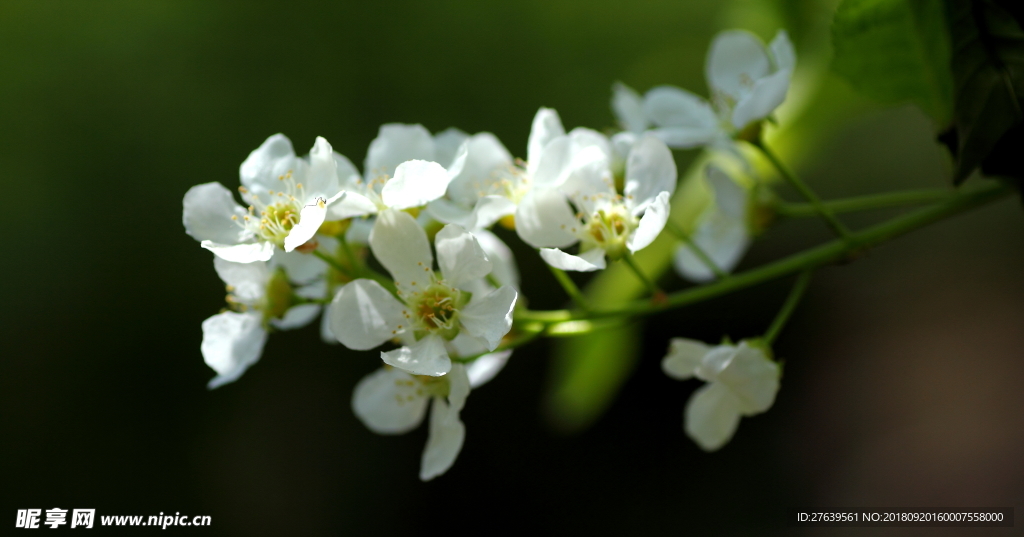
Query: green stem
681, 234
570, 287
864, 203
332, 262
353, 261
792, 300
652, 288
815, 257
824, 212
358, 270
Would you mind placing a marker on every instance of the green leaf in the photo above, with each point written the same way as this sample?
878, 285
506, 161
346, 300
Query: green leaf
587, 373
896, 51
988, 70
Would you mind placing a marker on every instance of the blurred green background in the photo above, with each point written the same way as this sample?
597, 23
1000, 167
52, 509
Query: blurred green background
902, 370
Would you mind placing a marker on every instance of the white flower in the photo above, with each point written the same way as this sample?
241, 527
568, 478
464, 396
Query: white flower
391, 401
233, 340
748, 81
405, 167
723, 233
741, 381
431, 309
287, 196
491, 184
604, 222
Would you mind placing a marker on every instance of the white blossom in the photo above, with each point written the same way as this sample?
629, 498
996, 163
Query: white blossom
233, 340
431, 309
741, 381
492, 185
405, 168
747, 80
287, 197
391, 401
604, 222
722, 232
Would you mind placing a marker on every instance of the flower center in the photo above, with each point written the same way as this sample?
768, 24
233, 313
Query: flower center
607, 228
435, 309
272, 215
510, 182
372, 188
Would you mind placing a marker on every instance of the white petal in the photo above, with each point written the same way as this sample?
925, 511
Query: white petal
326, 334
486, 159
782, 51
588, 172
273, 158
505, 269
628, 108
722, 238
310, 218
351, 205
416, 183
583, 138
388, 401
683, 358
459, 256
207, 212
316, 290
687, 137
401, 245
766, 95
752, 377
544, 219
486, 367
346, 171
297, 317
458, 387
447, 434
363, 315
458, 162
546, 127
241, 253
490, 317
322, 176
395, 144
446, 145
464, 344
550, 166
231, 343
669, 106
302, 268
711, 416
730, 197
359, 230
714, 361
588, 261
424, 357
622, 144
650, 170
651, 224
736, 58
248, 280
447, 211
490, 209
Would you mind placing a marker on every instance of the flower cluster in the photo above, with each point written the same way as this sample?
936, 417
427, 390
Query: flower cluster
443, 312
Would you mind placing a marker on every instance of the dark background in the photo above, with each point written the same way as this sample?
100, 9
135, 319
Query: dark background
903, 370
